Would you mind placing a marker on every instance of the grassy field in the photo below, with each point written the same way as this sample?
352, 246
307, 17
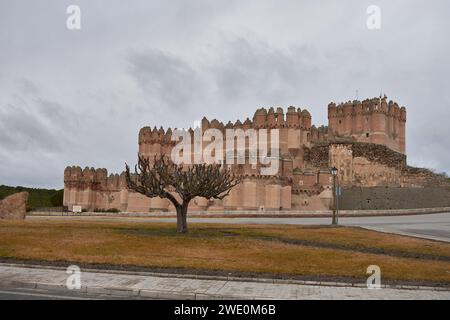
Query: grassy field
305, 252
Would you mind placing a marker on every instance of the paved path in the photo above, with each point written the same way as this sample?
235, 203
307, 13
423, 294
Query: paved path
430, 226
132, 285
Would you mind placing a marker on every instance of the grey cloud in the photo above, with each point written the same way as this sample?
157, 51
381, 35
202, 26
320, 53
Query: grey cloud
162, 75
32, 122
27, 86
21, 130
56, 115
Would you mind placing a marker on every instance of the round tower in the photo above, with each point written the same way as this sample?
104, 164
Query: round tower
280, 117
259, 119
402, 130
332, 117
292, 117
271, 121
359, 119
306, 119
377, 134
348, 120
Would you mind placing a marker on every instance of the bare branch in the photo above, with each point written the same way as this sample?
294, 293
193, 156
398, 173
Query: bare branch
162, 178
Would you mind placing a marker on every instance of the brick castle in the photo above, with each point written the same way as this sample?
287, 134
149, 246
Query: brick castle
364, 140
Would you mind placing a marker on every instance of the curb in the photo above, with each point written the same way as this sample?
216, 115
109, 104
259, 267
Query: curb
152, 294
254, 214
119, 290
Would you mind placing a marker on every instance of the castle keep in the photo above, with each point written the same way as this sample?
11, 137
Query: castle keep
364, 140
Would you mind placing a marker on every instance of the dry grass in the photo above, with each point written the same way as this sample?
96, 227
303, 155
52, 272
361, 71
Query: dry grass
283, 250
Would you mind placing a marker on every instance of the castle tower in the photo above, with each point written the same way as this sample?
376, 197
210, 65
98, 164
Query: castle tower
371, 121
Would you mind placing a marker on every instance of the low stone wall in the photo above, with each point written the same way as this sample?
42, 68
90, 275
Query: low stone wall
255, 214
382, 198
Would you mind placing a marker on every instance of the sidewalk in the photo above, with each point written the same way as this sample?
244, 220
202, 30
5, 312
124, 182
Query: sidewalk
151, 286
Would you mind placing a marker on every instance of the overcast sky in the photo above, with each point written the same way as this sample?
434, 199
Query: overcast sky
79, 97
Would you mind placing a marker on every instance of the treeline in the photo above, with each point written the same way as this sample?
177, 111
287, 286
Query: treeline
38, 198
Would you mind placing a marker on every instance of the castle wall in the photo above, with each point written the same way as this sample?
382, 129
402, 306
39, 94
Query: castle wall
272, 197
286, 198
250, 199
306, 202
139, 203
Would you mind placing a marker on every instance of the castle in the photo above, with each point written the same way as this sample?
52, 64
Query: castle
364, 140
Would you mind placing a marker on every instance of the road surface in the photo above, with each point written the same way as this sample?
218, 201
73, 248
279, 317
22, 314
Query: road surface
19, 293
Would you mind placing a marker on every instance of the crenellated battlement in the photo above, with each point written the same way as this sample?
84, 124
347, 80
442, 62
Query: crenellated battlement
294, 118
262, 119
367, 107
91, 178
158, 141
147, 135
319, 135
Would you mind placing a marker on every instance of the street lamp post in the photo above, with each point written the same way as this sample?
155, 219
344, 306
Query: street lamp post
334, 172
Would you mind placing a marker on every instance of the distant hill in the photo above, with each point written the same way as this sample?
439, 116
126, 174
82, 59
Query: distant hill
38, 197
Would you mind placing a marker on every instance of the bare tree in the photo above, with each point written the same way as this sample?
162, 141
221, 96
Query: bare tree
164, 178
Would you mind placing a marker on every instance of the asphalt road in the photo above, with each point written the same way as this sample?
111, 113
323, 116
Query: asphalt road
430, 226
18, 293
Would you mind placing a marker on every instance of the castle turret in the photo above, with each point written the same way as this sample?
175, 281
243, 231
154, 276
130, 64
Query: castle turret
259, 119
306, 119
229, 125
280, 117
247, 124
271, 121
292, 118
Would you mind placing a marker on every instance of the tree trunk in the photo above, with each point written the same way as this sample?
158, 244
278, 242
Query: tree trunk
182, 218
